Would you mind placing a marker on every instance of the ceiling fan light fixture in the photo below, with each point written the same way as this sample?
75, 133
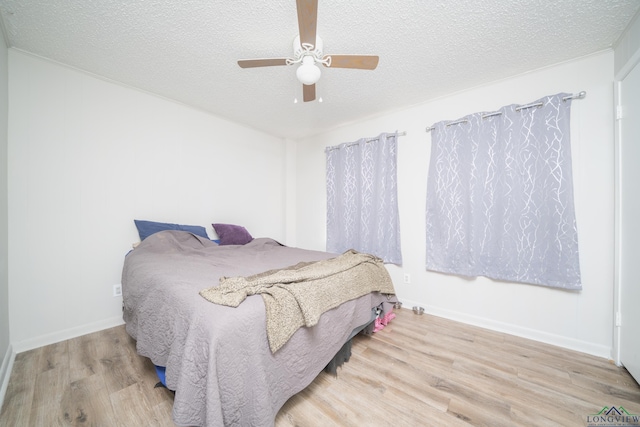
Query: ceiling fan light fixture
308, 73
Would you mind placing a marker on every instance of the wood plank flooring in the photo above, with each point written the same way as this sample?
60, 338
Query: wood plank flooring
418, 371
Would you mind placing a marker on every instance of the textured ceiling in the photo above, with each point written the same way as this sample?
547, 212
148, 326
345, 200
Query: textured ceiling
187, 50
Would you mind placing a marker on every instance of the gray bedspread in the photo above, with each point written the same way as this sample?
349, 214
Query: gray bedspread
217, 358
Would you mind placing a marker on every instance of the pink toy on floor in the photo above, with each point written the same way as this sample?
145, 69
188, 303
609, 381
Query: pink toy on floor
381, 322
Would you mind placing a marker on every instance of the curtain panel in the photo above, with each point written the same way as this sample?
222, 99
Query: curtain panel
500, 196
362, 198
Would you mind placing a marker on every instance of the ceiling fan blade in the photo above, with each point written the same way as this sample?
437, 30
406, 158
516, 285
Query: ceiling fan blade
307, 20
308, 92
363, 62
269, 62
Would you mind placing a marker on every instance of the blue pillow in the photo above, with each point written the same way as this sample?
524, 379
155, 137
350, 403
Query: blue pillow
147, 228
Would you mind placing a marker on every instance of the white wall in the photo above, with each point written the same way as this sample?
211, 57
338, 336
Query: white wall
627, 50
5, 343
579, 320
87, 157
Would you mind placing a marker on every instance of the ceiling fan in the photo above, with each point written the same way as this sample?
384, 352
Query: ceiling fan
307, 51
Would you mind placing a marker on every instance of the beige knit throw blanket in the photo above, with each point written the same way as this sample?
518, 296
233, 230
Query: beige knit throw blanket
297, 296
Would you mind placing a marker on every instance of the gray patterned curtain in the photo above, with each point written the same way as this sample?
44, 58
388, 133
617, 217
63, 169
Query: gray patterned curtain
500, 196
362, 198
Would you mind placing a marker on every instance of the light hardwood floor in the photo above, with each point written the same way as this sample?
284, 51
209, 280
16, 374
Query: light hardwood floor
420, 370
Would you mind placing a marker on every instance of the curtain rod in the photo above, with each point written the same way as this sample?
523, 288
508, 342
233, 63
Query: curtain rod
404, 133
518, 108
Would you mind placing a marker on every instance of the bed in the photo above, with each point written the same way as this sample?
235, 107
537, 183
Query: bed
218, 358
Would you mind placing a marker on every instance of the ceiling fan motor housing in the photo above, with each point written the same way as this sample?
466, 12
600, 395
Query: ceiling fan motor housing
299, 51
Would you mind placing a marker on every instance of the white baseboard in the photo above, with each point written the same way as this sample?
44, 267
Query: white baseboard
533, 334
5, 371
66, 334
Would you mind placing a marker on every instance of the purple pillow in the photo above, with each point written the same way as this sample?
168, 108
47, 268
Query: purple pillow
230, 234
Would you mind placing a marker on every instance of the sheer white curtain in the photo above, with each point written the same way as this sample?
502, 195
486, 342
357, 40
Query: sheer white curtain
500, 196
362, 198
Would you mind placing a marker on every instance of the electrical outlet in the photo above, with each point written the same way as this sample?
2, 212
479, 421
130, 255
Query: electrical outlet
407, 278
117, 290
